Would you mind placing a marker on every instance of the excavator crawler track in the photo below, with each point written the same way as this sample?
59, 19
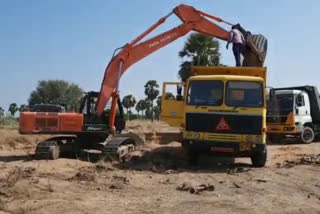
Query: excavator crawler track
118, 148
115, 149
52, 148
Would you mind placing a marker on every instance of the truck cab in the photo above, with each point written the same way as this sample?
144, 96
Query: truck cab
293, 112
222, 112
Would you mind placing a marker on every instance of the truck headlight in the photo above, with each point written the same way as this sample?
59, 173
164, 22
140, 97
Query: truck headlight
254, 138
192, 135
288, 128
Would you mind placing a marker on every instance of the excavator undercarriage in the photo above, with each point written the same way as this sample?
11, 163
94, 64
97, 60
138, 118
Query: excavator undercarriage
71, 146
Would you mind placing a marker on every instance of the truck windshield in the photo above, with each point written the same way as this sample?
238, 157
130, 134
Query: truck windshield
205, 92
244, 94
281, 102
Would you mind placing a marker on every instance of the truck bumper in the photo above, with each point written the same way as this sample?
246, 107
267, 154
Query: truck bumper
283, 129
224, 148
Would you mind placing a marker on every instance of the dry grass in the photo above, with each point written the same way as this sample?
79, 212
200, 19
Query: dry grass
144, 125
12, 140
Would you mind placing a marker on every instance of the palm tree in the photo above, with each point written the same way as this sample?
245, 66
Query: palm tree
141, 106
152, 92
13, 108
199, 49
128, 102
1, 112
149, 108
23, 108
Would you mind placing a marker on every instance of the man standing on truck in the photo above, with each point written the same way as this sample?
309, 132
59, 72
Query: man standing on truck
238, 42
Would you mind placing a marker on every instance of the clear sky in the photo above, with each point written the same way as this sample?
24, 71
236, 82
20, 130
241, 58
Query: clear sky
74, 40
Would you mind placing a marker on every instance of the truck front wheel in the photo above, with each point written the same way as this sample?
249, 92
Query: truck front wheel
259, 158
193, 157
307, 135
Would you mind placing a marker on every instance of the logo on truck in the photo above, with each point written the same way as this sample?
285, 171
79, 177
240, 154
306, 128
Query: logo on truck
223, 125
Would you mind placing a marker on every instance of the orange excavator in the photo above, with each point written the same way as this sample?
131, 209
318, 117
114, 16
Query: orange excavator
90, 127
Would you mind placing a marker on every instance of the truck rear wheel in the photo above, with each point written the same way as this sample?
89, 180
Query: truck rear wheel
307, 135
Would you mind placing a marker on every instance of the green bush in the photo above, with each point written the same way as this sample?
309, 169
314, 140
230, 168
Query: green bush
9, 121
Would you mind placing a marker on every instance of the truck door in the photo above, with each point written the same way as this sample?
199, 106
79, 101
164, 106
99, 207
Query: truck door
172, 107
303, 113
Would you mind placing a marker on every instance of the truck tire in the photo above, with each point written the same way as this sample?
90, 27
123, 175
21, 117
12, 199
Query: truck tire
193, 157
259, 158
307, 135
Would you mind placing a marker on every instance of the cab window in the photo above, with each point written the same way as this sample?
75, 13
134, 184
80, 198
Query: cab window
205, 92
244, 94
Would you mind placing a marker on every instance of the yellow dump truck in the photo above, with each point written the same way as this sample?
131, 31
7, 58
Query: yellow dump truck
222, 110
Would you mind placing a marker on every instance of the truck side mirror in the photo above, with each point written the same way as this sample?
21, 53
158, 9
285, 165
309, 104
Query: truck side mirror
299, 100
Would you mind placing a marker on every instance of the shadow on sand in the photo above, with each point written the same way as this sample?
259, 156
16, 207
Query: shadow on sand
12, 158
174, 159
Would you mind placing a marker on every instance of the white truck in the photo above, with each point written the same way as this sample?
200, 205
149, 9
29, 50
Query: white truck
293, 112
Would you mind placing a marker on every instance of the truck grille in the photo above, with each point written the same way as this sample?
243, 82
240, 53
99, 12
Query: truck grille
277, 118
238, 124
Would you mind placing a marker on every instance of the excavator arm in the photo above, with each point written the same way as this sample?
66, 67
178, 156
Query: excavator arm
134, 51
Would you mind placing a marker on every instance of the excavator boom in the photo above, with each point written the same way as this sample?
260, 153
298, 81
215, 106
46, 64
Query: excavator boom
134, 51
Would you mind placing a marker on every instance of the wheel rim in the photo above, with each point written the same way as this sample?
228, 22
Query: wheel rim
307, 135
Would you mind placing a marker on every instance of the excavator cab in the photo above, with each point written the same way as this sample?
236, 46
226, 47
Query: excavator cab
94, 122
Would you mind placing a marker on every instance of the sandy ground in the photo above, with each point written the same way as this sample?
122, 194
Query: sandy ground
157, 179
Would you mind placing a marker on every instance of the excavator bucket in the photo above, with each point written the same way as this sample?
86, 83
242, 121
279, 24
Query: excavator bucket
256, 48
256, 51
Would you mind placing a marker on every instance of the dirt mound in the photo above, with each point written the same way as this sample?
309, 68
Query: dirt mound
305, 159
74, 186
158, 179
83, 176
155, 157
148, 126
153, 132
310, 159
289, 148
195, 188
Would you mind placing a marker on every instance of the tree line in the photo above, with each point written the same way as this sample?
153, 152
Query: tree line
13, 108
146, 106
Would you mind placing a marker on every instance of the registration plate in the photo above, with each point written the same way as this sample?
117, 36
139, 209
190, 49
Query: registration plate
221, 149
